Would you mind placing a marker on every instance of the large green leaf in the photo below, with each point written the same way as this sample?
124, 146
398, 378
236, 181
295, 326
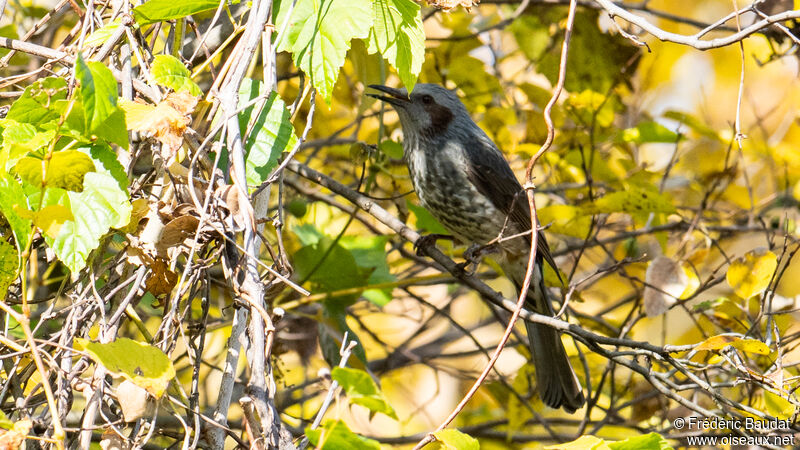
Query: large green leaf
169, 72
12, 195
334, 435
98, 92
158, 10
270, 130
35, 104
318, 35
101, 206
397, 33
96, 106
147, 366
362, 390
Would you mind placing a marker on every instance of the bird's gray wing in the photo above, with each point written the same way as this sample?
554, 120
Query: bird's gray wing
491, 175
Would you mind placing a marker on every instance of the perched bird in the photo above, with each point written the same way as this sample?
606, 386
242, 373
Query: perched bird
461, 177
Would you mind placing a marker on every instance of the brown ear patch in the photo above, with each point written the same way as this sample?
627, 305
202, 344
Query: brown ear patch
441, 117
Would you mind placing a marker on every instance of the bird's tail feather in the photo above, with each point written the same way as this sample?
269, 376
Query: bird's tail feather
556, 381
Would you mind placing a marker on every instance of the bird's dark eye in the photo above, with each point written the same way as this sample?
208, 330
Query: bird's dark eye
427, 99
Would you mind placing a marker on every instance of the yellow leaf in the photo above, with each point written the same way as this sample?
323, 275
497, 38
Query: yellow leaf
752, 346
750, 275
143, 364
49, 219
796, 191
565, 219
15, 437
719, 342
778, 406
692, 285
65, 170
716, 343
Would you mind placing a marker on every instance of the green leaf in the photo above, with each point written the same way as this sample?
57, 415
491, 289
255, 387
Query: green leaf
98, 92
9, 265
587, 442
101, 35
532, 36
397, 33
318, 35
169, 71
158, 10
101, 206
307, 233
693, 123
425, 220
518, 412
634, 200
651, 441
19, 139
114, 129
334, 435
65, 170
338, 270
106, 161
35, 106
597, 59
272, 131
362, 390
391, 148
649, 132
146, 366
12, 195
370, 255
451, 439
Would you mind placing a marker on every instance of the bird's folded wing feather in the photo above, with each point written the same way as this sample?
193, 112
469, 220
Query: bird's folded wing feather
491, 175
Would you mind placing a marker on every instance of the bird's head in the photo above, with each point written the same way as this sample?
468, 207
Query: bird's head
427, 111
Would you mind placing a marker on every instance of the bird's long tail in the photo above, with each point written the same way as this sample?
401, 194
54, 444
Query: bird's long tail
556, 381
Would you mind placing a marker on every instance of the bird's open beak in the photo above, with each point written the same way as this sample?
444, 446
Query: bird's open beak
396, 97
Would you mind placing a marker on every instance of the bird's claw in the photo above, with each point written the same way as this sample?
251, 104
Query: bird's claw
473, 255
427, 240
475, 252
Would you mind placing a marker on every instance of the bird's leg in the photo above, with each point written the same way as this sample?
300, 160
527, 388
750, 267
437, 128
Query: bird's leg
427, 240
473, 256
